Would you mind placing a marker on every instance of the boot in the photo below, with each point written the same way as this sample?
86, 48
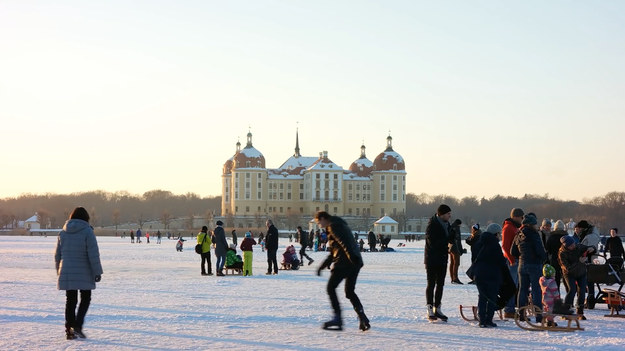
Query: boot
79, 334
335, 323
431, 315
69, 333
439, 313
580, 313
364, 321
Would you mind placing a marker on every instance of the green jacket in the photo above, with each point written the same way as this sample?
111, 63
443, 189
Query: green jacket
206, 247
232, 258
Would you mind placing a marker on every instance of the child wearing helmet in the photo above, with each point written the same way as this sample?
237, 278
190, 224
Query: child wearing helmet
550, 291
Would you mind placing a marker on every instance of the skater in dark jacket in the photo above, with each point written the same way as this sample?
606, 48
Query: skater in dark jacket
77, 260
552, 246
372, 241
489, 265
221, 246
345, 254
302, 237
437, 240
574, 271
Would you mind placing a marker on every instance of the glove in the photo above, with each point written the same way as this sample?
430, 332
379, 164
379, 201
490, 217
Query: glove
98, 278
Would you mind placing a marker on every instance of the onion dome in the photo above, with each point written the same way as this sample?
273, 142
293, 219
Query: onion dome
389, 160
362, 166
248, 157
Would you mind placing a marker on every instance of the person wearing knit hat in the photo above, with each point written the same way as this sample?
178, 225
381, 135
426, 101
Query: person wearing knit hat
574, 273
248, 254
509, 231
529, 249
550, 291
493, 228
545, 230
435, 254
455, 251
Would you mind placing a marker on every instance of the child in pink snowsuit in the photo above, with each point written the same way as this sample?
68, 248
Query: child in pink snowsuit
550, 291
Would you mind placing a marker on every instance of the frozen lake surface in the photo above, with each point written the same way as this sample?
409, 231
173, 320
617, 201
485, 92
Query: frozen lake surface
153, 298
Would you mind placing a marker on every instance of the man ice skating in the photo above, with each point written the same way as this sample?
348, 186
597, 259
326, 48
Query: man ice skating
345, 254
302, 237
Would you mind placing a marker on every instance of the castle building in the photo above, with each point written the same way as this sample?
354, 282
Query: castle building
303, 185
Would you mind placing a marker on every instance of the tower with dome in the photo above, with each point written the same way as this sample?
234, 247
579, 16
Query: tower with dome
303, 185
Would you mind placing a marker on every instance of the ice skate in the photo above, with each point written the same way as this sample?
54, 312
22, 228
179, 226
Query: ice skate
439, 314
431, 316
334, 324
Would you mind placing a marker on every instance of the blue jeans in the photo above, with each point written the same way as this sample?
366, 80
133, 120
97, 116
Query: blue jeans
576, 284
529, 275
219, 264
515, 277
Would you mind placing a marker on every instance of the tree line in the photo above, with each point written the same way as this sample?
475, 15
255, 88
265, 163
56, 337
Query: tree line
111, 209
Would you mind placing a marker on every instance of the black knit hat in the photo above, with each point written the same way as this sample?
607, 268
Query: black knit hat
442, 209
582, 224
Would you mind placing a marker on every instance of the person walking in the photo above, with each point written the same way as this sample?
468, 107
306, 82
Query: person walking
248, 253
77, 261
347, 262
455, 251
158, 237
139, 236
437, 240
204, 239
221, 246
302, 237
271, 244
510, 229
132, 237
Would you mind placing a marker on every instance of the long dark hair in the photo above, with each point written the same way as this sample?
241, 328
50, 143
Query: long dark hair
80, 213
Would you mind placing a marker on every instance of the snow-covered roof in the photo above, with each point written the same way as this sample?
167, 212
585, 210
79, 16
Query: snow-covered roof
386, 220
251, 151
32, 219
297, 162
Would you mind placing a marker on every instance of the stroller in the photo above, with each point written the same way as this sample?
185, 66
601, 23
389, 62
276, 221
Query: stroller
610, 272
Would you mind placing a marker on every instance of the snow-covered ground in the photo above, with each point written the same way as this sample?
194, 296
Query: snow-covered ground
153, 298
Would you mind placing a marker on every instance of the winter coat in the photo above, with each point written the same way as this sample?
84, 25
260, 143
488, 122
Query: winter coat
77, 257
614, 245
550, 291
206, 246
271, 240
528, 247
436, 242
456, 240
232, 257
570, 261
475, 236
592, 239
372, 240
344, 250
247, 243
509, 231
553, 246
303, 238
221, 245
488, 260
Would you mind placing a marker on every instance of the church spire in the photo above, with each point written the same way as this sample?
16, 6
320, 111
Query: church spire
297, 154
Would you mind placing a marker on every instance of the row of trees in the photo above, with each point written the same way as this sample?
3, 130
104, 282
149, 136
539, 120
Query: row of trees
112, 209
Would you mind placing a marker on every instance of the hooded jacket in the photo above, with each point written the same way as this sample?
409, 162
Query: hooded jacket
570, 261
77, 257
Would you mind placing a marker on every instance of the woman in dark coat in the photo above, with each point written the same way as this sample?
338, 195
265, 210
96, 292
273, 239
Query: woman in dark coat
77, 260
489, 264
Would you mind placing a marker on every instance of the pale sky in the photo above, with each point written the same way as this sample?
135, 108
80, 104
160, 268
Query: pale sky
481, 97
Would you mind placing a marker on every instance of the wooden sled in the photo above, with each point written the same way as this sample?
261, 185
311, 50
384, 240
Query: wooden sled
233, 271
530, 312
474, 310
285, 266
616, 301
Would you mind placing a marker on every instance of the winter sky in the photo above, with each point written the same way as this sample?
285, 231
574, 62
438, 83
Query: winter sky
481, 97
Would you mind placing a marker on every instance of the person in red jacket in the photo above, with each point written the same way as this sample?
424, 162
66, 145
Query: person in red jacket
510, 229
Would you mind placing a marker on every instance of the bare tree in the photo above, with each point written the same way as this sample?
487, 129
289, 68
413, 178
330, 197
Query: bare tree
116, 215
165, 219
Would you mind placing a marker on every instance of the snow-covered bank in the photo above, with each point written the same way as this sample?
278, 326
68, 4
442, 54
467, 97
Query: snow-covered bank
153, 298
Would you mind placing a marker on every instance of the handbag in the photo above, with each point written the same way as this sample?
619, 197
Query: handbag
198, 247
